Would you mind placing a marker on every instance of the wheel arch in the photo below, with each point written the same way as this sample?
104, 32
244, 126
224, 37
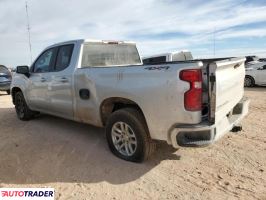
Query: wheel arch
112, 104
13, 93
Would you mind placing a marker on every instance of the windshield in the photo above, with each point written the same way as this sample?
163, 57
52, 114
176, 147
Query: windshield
104, 54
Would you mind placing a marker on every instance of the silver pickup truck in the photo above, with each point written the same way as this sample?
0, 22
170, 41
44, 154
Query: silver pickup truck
104, 83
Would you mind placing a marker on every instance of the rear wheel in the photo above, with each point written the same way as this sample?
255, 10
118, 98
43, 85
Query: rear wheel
8, 92
249, 81
22, 109
127, 135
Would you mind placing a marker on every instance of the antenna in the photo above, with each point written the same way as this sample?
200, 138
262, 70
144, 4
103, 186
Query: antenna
214, 45
28, 28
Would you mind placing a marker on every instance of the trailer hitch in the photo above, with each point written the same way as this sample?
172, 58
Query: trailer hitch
236, 129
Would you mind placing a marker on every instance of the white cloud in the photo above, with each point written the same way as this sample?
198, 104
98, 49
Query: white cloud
53, 21
231, 33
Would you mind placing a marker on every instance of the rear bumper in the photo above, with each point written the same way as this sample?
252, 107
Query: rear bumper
204, 133
4, 86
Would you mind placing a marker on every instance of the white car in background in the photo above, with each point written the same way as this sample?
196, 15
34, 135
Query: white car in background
255, 74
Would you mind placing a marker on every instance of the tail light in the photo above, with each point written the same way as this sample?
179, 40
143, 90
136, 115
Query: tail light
193, 97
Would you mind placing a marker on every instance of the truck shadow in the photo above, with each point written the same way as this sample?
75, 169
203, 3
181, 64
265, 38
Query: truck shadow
256, 88
49, 149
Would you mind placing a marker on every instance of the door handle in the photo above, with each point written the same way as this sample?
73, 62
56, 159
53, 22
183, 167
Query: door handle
63, 80
43, 79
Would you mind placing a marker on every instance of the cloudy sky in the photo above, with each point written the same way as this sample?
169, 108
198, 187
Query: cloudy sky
157, 26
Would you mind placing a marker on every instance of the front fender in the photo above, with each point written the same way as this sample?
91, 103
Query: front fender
20, 82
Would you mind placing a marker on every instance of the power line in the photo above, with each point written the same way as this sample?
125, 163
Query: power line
28, 28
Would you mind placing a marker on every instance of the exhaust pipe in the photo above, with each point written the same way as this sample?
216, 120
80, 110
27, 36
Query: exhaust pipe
236, 129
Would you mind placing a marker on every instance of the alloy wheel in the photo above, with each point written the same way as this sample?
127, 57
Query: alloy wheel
124, 138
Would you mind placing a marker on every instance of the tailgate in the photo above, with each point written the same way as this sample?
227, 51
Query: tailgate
226, 86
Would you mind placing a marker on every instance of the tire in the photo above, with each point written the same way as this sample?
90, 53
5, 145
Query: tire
249, 81
22, 109
8, 92
125, 128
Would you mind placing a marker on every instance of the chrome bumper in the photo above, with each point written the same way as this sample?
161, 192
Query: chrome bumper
204, 133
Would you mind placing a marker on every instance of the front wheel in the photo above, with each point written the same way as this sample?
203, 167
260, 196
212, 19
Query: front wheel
22, 109
127, 135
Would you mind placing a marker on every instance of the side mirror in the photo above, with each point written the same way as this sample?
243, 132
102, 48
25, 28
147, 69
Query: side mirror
23, 70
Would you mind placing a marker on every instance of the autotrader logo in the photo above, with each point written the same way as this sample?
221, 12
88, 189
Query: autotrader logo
26, 193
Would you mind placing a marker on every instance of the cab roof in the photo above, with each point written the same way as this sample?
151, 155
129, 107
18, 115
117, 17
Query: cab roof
92, 41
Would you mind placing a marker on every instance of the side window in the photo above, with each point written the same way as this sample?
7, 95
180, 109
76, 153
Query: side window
145, 61
64, 57
44, 62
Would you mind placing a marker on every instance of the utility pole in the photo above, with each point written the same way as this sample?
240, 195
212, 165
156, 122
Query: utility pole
28, 28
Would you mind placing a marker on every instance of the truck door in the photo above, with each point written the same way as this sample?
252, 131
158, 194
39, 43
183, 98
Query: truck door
37, 92
60, 87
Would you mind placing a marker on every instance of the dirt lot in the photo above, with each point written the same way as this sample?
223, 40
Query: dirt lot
75, 160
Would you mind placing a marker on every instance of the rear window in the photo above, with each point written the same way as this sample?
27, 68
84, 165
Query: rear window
104, 55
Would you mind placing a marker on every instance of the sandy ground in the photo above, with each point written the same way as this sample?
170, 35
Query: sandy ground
75, 160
